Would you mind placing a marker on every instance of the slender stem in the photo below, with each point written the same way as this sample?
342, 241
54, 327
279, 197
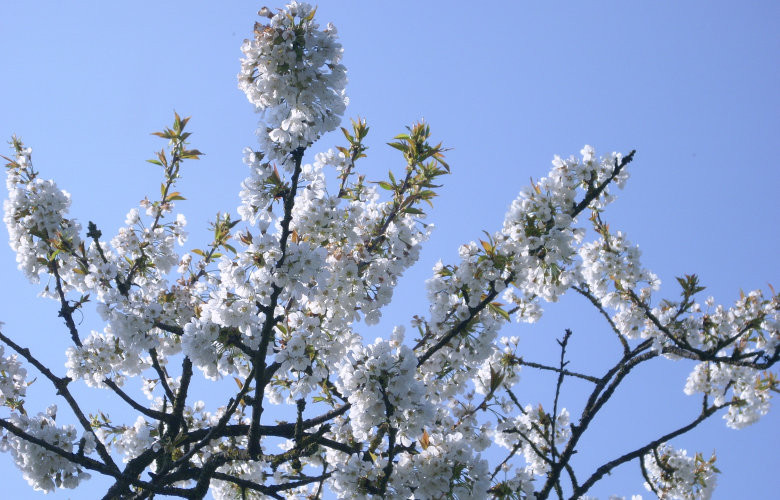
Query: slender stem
594, 193
66, 310
562, 343
589, 378
596, 401
597, 303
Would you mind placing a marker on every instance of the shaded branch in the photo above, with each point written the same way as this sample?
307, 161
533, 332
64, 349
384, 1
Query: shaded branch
639, 452
589, 378
66, 310
270, 320
154, 414
61, 384
558, 385
594, 193
461, 326
161, 374
597, 303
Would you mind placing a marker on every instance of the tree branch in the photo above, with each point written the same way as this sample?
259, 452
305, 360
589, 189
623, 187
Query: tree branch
267, 332
639, 452
597, 303
61, 384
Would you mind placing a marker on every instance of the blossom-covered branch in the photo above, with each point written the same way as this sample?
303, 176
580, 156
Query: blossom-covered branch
277, 299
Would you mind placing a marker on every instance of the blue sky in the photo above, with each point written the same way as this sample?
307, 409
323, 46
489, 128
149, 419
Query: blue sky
691, 85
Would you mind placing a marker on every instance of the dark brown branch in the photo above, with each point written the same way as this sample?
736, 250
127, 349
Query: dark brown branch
639, 452
594, 193
589, 378
387, 471
66, 310
61, 384
460, 327
711, 354
215, 431
267, 332
154, 414
599, 396
597, 303
176, 330
161, 374
509, 456
559, 383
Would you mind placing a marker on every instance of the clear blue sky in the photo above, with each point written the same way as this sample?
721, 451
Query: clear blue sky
693, 86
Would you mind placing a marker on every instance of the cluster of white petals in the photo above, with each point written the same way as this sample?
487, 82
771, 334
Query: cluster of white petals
380, 381
746, 386
34, 215
676, 476
13, 383
535, 426
101, 356
133, 440
610, 267
225, 490
41, 468
291, 73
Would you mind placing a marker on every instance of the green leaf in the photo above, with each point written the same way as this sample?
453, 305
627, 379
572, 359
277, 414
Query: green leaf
399, 146
496, 308
193, 154
174, 196
385, 185
496, 377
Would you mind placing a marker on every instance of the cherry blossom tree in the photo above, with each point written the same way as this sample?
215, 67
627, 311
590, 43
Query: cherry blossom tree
277, 299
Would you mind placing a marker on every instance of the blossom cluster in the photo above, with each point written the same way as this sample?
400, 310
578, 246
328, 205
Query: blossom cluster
13, 383
291, 73
749, 388
44, 469
34, 215
382, 388
676, 476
